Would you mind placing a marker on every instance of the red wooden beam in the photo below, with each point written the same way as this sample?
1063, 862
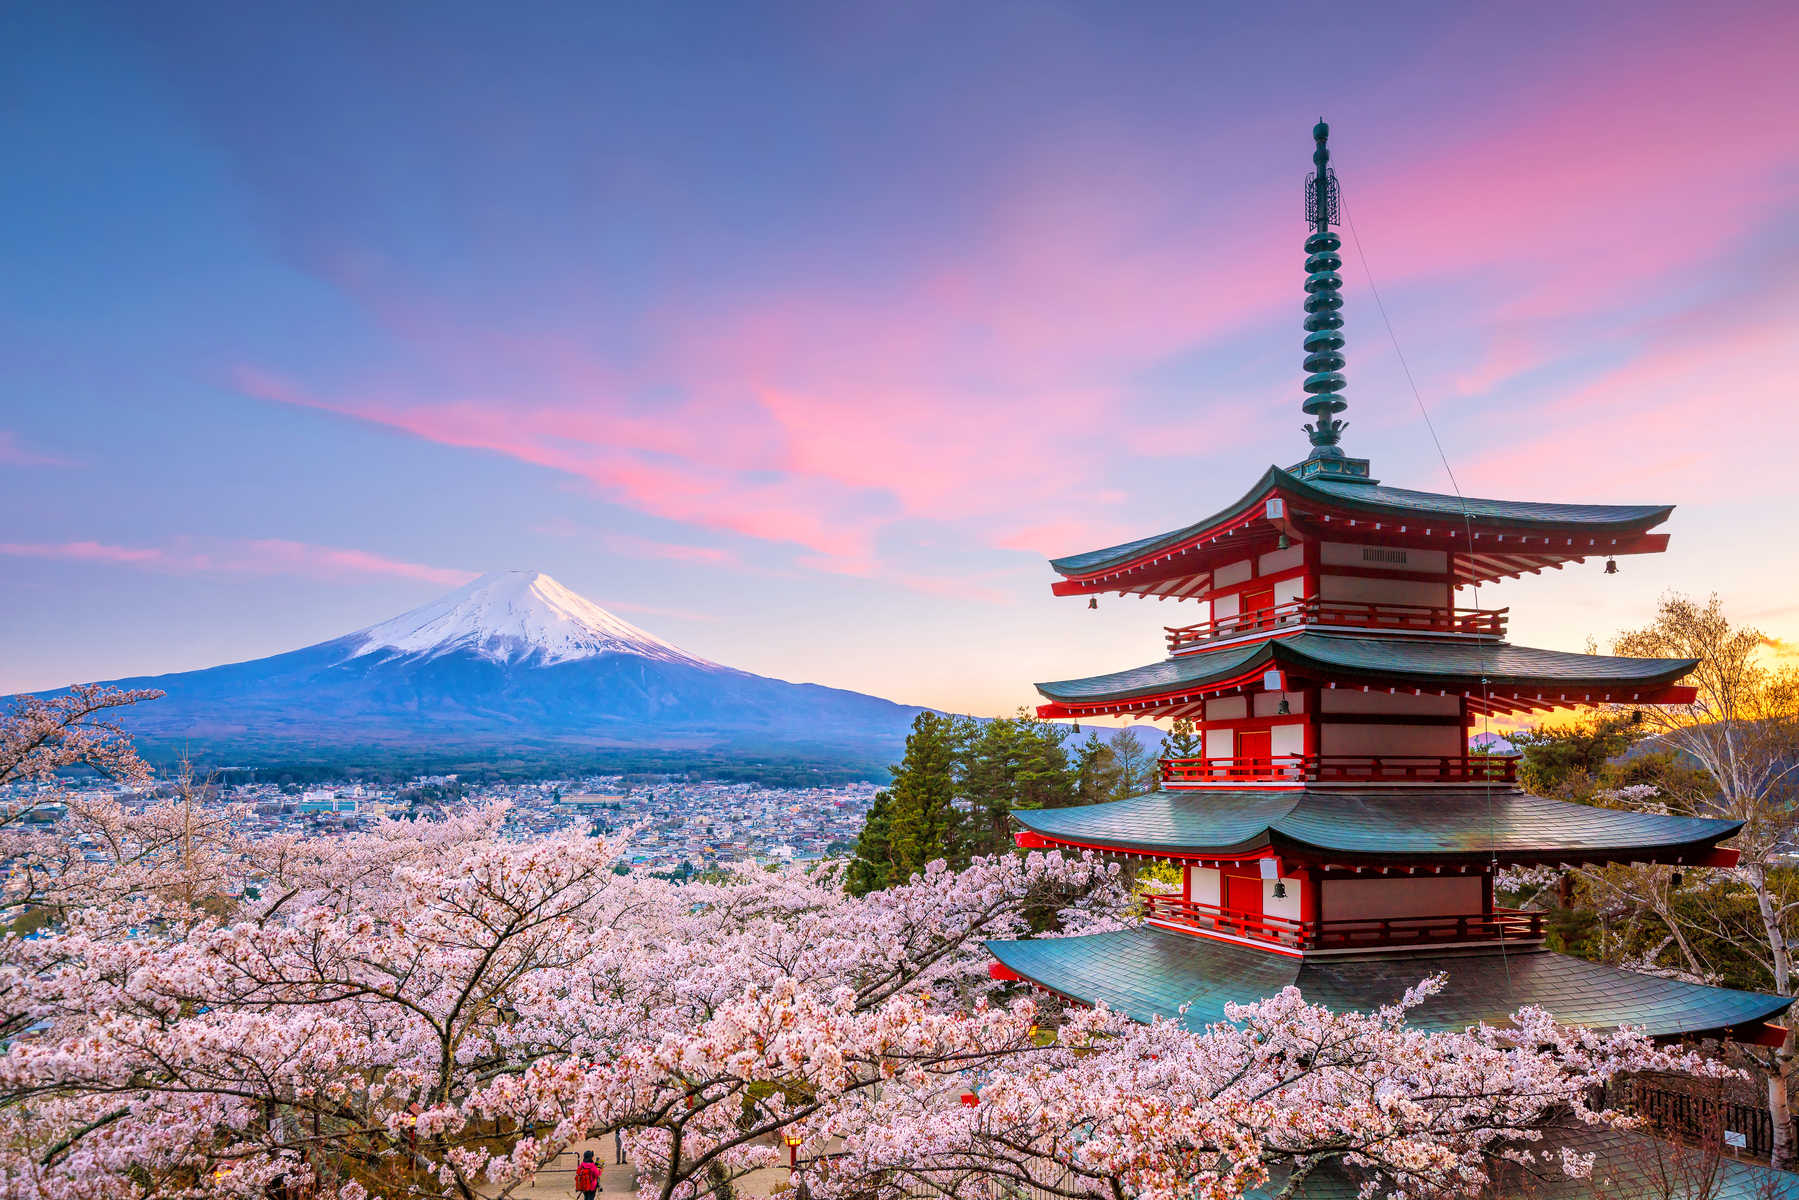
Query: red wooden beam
1762, 1033
1003, 973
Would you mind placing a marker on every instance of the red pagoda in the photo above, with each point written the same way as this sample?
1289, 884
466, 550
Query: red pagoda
1336, 833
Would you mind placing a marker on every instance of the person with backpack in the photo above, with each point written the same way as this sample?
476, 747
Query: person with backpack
587, 1176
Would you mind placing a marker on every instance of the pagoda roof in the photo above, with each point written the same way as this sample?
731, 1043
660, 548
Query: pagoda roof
1564, 531
1145, 972
1422, 824
1396, 662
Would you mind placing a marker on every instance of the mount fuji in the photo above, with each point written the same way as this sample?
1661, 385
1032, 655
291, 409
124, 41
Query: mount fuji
512, 670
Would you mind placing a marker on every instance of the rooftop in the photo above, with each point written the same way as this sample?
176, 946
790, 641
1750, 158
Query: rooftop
1505, 536
1420, 824
1409, 663
1145, 973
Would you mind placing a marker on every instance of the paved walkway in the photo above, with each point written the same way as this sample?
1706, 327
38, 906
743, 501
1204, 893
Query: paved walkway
557, 1181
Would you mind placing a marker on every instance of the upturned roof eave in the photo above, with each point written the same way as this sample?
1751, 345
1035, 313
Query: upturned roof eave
1290, 653
1271, 836
1357, 496
1146, 972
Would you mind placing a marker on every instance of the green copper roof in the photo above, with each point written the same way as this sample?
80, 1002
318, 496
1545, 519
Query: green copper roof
1425, 823
1378, 500
1146, 972
1333, 656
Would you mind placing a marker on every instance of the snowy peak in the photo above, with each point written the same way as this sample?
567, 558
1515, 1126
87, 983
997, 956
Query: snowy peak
512, 617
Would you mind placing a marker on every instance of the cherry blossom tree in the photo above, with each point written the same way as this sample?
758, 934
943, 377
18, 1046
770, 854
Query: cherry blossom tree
429, 1009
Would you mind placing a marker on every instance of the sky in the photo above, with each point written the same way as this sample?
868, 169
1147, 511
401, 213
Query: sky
801, 334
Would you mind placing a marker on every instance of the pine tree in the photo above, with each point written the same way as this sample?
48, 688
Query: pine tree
873, 863
1184, 740
1135, 763
916, 819
1008, 764
1096, 772
925, 823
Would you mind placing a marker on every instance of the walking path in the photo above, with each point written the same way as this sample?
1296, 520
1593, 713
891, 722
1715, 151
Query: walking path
557, 1181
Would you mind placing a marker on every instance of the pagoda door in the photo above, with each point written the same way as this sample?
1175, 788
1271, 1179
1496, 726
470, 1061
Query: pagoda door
1243, 900
1257, 607
1254, 757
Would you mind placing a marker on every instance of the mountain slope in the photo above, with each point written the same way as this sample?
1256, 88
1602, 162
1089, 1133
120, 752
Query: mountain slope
513, 665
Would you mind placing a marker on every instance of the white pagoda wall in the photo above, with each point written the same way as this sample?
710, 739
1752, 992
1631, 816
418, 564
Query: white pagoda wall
1412, 896
1340, 738
1354, 700
1365, 590
1204, 886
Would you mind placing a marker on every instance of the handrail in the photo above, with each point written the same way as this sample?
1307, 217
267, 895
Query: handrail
1344, 768
1347, 932
1310, 610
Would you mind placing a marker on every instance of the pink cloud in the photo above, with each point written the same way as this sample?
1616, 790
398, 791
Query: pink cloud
96, 552
257, 556
982, 384
1072, 535
15, 453
1679, 410
642, 547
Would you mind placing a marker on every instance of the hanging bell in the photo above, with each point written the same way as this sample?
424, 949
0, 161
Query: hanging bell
1280, 889
1282, 543
1283, 708
1611, 566
1093, 602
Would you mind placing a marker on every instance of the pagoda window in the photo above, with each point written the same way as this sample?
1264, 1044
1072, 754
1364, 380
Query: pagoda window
1384, 558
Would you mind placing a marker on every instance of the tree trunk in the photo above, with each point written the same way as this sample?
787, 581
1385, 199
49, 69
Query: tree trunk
1780, 1101
1780, 1106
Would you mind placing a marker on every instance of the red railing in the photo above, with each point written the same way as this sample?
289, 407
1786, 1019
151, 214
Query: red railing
1345, 768
1510, 924
1403, 618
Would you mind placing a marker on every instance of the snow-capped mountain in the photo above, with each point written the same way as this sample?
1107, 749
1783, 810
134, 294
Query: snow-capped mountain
510, 669
513, 617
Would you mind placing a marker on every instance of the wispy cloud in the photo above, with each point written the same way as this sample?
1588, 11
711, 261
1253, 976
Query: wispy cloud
16, 453
253, 556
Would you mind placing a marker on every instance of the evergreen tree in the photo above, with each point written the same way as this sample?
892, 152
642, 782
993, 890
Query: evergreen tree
954, 795
924, 821
870, 868
1184, 740
1136, 765
1096, 772
1007, 764
916, 819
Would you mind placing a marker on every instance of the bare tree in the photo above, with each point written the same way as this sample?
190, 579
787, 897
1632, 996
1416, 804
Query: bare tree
1743, 729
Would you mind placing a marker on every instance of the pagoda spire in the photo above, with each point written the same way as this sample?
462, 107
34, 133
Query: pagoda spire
1324, 321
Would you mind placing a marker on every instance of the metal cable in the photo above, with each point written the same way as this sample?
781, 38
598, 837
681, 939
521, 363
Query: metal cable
1473, 570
